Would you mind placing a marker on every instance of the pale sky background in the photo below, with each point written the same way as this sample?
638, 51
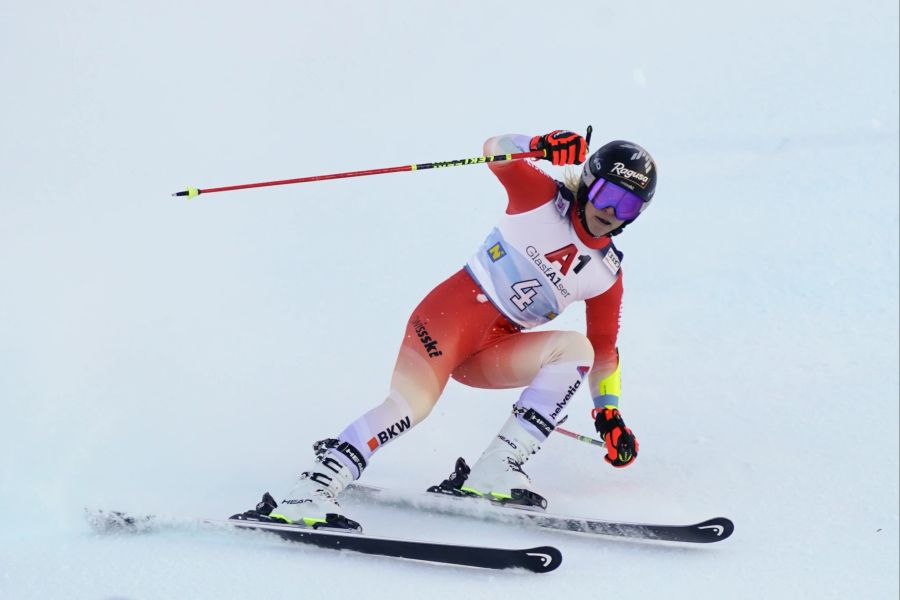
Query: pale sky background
180, 357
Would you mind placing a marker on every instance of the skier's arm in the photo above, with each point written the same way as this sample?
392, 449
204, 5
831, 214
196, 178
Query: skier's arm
526, 185
603, 313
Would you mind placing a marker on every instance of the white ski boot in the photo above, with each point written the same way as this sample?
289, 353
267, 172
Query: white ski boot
498, 474
312, 501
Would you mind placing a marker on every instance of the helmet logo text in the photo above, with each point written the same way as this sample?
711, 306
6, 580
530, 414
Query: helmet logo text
620, 170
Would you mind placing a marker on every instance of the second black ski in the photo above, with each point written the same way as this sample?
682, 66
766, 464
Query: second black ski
541, 559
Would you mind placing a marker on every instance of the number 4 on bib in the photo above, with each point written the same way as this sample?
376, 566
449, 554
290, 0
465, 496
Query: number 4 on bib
525, 292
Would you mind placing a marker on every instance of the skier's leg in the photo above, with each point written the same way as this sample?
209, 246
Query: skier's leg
448, 326
552, 366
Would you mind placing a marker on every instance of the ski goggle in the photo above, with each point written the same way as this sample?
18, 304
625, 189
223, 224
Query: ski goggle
604, 194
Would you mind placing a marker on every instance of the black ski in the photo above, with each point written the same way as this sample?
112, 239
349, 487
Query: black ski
542, 559
712, 530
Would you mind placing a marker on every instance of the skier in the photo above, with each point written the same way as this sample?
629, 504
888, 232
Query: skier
553, 247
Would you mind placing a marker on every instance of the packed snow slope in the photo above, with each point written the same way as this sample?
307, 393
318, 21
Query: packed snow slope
180, 357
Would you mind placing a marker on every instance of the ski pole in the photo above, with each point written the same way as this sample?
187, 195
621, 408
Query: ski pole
477, 160
581, 438
577, 436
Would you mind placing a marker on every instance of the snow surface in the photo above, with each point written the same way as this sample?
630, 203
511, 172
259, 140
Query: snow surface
179, 357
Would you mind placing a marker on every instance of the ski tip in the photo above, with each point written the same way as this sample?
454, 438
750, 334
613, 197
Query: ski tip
542, 559
714, 530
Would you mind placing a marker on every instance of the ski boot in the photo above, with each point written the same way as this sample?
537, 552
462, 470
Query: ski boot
312, 501
498, 474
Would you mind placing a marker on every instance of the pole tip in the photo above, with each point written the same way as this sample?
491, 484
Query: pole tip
190, 192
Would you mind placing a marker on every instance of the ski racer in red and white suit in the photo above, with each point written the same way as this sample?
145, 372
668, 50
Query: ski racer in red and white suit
472, 326
542, 256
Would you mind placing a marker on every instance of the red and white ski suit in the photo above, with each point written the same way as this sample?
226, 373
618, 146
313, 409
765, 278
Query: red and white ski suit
472, 327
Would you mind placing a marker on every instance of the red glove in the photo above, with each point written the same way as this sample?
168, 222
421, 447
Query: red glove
562, 147
621, 445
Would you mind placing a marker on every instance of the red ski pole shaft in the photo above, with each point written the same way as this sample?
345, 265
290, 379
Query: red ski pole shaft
581, 438
577, 436
191, 192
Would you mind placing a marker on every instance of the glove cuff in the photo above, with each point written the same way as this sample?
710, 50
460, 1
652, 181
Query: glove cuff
607, 419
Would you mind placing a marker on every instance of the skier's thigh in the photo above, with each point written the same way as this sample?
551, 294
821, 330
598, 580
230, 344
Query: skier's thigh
515, 360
